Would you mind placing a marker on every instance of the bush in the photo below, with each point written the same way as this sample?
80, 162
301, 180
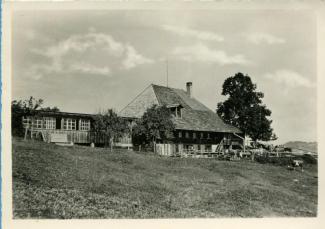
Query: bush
282, 161
308, 159
285, 161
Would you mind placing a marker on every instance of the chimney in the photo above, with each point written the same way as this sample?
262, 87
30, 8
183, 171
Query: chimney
189, 89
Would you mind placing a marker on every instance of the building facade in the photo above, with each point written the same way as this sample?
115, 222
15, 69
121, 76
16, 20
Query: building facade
197, 128
65, 127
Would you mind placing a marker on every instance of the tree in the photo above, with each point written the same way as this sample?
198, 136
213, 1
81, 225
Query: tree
155, 124
27, 107
110, 125
244, 109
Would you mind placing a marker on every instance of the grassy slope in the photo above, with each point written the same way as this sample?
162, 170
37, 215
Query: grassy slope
79, 182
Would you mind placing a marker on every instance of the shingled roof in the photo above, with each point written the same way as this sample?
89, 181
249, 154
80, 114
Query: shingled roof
195, 115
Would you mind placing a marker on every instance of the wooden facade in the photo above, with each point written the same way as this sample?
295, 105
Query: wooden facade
198, 128
198, 144
63, 127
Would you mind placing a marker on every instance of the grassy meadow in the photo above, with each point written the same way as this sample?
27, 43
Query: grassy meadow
51, 181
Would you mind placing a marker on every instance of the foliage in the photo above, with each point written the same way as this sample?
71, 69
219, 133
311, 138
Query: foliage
20, 108
281, 161
244, 109
111, 125
155, 124
285, 161
309, 159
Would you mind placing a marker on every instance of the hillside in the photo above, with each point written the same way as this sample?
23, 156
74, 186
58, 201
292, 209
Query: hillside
52, 181
308, 146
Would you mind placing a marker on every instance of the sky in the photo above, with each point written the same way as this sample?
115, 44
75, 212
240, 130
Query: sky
90, 60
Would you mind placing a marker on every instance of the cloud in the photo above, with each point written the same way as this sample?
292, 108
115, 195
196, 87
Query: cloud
289, 78
201, 53
198, 34
86, 68
259, 38
133, 58
90, 53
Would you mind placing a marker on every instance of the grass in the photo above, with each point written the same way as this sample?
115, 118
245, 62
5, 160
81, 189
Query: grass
52, 181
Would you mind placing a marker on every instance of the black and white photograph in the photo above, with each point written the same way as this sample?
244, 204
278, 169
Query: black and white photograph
163, 113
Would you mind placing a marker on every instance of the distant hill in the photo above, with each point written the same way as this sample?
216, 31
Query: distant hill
308, 146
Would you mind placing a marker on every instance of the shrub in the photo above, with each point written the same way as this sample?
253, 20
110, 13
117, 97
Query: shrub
282, 161
308, 159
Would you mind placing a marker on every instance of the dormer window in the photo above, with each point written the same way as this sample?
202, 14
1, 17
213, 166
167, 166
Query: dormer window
176, 110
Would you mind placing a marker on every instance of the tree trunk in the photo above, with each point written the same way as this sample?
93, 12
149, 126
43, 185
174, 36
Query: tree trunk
25, 138
244, 143
111, 143
253, 153
154, 145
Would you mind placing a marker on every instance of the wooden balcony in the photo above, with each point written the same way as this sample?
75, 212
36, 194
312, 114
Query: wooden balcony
79, 137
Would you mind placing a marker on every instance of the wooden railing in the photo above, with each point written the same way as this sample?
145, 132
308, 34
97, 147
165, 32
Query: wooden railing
81, 137
75, 136
197, 153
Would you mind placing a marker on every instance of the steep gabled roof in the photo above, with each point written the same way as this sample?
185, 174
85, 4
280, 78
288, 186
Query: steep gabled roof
195, 115
167, 95
140, 104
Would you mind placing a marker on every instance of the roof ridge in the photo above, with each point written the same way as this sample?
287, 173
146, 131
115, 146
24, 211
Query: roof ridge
172, 88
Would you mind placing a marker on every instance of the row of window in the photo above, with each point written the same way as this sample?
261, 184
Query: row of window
194, 147
194, 135
50, 123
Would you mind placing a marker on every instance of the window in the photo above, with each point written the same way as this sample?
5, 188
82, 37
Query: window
194, 135
37, 123
69, 124
187, 135
202, 135
84, 124
176, 111
26, 122
180, 134
208, 135
50, 123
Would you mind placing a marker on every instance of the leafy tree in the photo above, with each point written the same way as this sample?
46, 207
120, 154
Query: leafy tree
244, 109
155, 124
110, 125
50, 109
20, 108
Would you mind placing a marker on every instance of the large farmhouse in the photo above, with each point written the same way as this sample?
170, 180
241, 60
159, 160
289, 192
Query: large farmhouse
197, 128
